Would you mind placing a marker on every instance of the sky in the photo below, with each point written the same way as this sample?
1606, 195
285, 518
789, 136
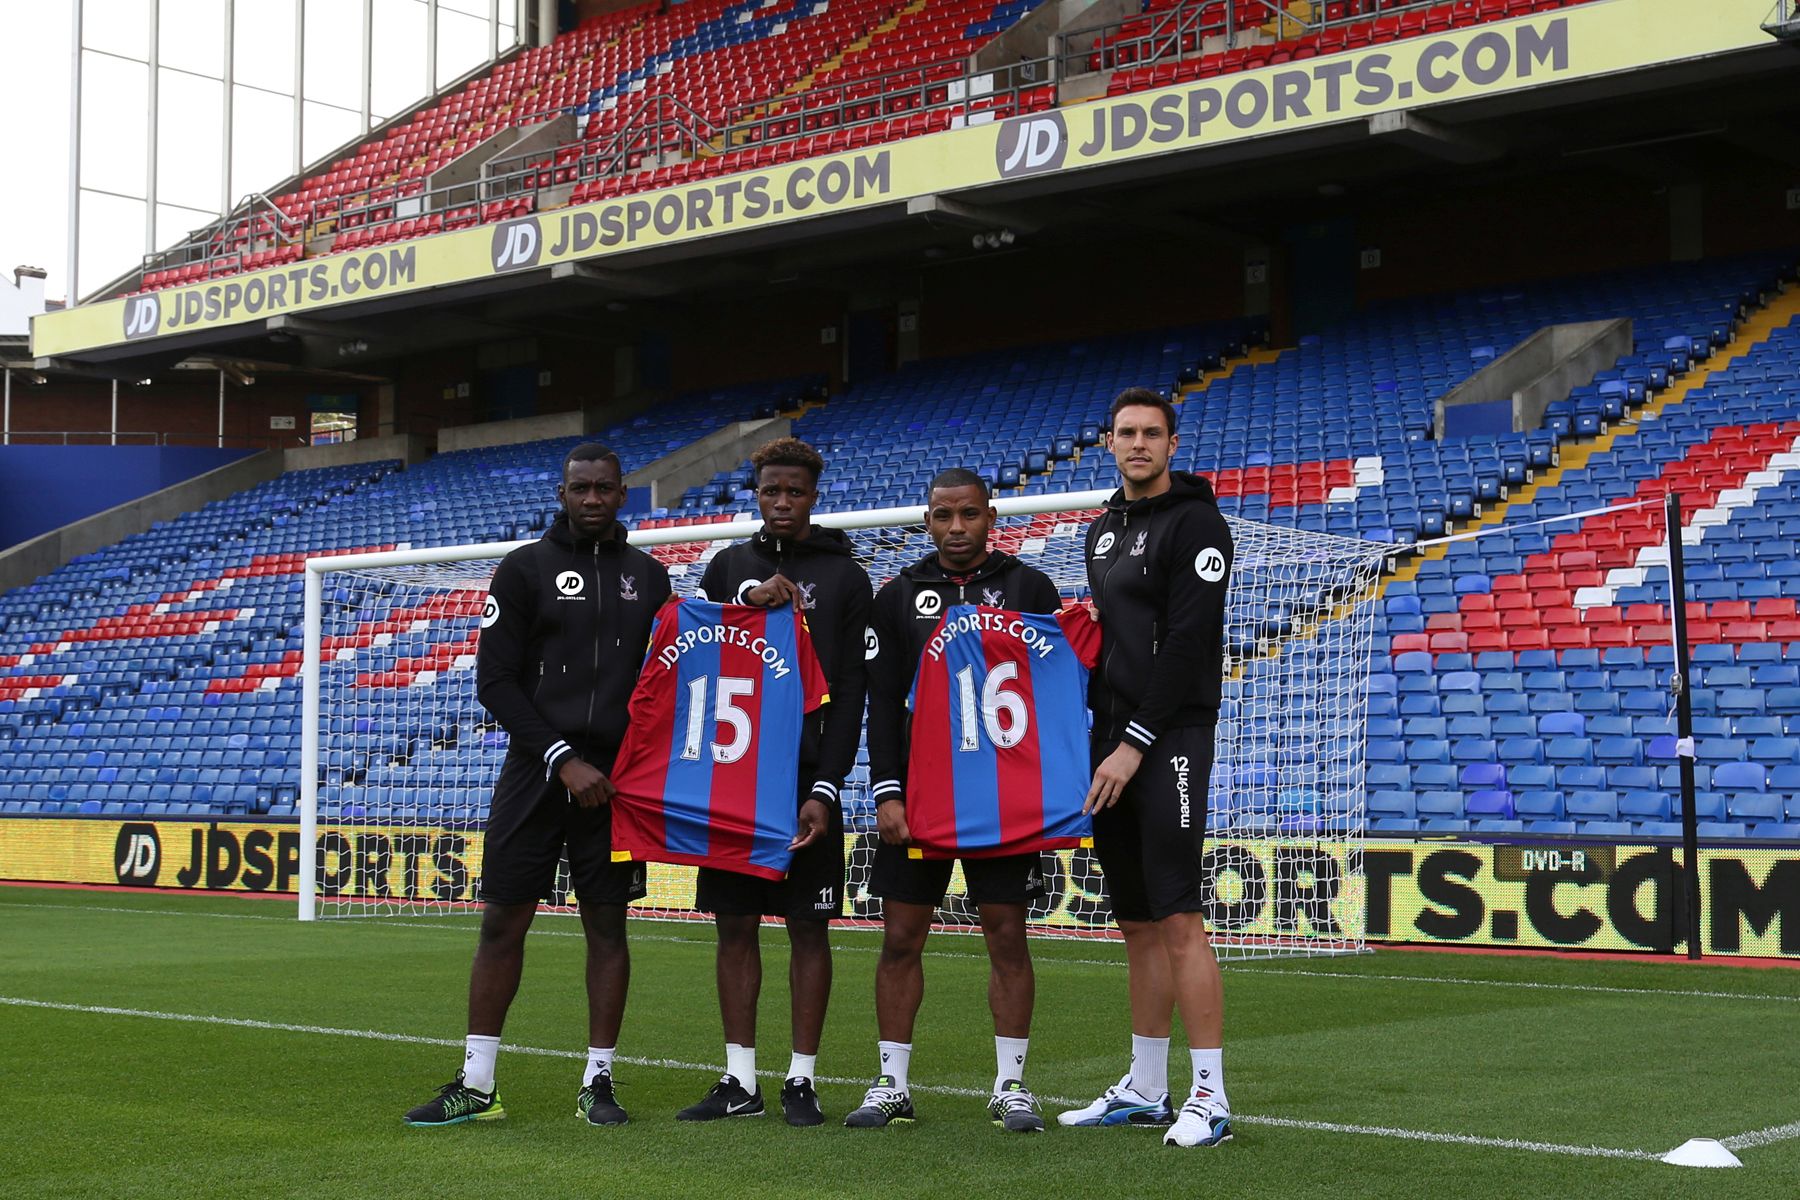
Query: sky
190, 134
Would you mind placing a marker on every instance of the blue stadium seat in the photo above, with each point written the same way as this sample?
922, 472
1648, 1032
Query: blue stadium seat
1493, 804
1539, 805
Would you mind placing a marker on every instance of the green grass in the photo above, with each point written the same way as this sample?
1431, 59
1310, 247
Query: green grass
105, 1104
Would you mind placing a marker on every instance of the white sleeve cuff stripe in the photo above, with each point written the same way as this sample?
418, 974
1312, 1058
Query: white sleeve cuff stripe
886, 785
555, 749
827, 788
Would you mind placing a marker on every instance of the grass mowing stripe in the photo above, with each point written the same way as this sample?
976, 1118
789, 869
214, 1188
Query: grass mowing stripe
1230, 968
413, 1039
1763, 1137
1414, 1135
1528, 985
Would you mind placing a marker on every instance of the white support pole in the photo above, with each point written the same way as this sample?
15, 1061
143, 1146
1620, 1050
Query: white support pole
299, 85
368, 64
115, 412
155, 81
309, 739
225, 82
493, 29
6, 423
431, 30
74, 287
546, 32
221, 408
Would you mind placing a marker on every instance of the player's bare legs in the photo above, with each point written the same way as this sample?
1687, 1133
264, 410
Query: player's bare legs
493, 982
608, 978
1012, 988
739, 970
499, 962
900, 971
1148, 979
1194, 978
809, 981
608, 971
1141, 1097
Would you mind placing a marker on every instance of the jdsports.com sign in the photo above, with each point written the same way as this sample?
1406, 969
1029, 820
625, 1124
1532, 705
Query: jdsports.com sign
1568, 896
1268, 101
1599, 38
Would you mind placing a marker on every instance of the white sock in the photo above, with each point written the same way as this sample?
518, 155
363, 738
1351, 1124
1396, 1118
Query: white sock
1209, 1077
1009, 1060
1149, 1066
896, 1057
600, 1061
479, 1053
802, 1066
740, 1064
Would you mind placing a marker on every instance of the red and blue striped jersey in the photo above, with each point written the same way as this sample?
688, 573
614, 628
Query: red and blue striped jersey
709, 770
999, 756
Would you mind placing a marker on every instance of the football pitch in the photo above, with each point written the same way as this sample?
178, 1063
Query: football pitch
193, 1046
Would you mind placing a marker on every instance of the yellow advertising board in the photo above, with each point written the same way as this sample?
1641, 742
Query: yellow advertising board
1591, 40
1568, 896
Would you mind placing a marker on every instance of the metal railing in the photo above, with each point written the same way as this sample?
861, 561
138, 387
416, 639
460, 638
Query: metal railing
106, 437
1145, 39
253, 225
948, 85
660, 125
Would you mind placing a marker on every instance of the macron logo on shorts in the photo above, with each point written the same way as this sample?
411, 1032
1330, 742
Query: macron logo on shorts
1180, 763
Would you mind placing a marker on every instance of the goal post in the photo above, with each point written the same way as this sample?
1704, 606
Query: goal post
398, 758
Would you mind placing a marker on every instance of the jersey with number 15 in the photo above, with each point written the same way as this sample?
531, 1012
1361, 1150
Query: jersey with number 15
710, 764
999, 756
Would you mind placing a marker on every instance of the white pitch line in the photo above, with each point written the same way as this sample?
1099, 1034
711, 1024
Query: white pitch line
1763, 1137
671, 1064
405, 923
1455, 1139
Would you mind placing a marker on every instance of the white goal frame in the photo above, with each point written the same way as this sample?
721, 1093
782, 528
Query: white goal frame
318, 569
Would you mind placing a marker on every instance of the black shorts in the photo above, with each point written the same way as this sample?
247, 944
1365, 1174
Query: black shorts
530, 825
812, 891
1151, 843
896, 875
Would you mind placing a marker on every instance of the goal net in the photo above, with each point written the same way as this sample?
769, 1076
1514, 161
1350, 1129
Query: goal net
399, 758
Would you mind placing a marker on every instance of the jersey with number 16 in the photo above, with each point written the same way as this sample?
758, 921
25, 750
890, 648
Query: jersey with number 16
999, 761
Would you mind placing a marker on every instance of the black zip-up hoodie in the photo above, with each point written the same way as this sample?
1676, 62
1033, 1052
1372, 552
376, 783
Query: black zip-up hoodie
906, 612
1158, 569
835, 598
563, 637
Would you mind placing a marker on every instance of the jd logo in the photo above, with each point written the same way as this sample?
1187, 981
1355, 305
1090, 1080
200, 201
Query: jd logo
142, 313
137, 855
570, 583
490, 612
871, 642
1029, 145
1209, 564
517, 245
928, 604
